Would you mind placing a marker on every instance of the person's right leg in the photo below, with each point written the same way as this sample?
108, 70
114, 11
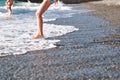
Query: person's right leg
44, 6
9, 8
9, 3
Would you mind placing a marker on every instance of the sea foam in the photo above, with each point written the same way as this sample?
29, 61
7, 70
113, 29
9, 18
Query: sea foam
15, 30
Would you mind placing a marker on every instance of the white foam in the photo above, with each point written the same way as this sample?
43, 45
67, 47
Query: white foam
15, 32
16, 40
4, 16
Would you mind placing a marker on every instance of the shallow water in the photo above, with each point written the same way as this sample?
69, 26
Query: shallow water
15, 30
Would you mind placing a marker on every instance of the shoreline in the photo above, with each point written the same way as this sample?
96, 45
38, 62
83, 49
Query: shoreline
79, 56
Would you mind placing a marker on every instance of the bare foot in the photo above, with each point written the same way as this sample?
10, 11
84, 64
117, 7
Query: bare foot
36, 36
8, 14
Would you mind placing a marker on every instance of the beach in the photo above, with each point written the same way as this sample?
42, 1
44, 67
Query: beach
90, 53
108, 11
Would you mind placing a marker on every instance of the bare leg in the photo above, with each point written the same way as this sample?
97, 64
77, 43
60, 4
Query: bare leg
44, 6
9, 10
9, 3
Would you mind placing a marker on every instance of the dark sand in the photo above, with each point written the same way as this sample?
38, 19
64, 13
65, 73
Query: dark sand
92, 53
109, 12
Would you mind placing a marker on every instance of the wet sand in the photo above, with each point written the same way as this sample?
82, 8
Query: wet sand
106, 11
91, 53
109, 11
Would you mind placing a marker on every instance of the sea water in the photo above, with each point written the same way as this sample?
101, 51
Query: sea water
15, 30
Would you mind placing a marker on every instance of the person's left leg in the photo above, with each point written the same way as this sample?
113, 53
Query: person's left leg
44, 6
